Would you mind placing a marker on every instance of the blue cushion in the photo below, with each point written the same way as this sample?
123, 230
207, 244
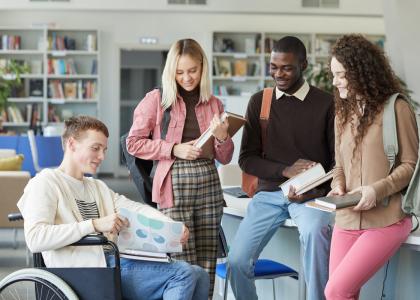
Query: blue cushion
263, 267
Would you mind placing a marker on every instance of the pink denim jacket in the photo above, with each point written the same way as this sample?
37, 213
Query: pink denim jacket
147, 119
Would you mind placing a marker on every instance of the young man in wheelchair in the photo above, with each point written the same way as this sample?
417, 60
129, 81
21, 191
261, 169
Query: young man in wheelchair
60, 206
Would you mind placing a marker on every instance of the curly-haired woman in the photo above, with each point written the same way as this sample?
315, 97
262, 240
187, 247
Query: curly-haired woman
367, 235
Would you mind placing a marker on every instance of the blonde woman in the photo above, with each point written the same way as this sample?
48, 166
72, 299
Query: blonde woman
186, 185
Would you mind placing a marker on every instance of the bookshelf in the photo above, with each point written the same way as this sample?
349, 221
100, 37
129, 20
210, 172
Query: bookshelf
63, 73
240, 60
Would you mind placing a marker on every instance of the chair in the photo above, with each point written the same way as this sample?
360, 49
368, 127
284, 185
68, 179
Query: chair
264, 268
34, 151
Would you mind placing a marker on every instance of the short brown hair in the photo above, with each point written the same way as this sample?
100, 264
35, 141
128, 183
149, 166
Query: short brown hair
76, 126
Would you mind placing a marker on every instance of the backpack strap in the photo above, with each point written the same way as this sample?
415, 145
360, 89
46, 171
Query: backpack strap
265, 114
389, 130
165, 120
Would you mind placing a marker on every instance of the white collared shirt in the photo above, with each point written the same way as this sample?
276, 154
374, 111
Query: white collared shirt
300, 93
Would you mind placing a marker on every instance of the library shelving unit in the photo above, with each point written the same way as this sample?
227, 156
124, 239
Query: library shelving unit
63, 75
240, 61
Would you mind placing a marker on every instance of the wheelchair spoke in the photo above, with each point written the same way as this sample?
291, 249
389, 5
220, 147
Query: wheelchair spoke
14, 297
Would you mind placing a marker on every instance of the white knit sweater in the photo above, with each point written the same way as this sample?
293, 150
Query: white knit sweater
52, 220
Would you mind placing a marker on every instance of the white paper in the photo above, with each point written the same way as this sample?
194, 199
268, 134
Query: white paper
149, 234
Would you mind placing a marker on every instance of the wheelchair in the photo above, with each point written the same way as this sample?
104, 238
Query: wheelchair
41, 283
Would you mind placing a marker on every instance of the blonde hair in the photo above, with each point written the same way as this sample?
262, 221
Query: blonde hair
193, 49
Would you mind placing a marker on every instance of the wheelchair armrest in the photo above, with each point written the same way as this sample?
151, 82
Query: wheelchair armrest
14, 217
92, 240
100, 240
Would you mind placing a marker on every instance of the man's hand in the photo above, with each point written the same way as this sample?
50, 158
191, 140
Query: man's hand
368, 199
185, 235
112, 223
186, 151
315, 192
298, 167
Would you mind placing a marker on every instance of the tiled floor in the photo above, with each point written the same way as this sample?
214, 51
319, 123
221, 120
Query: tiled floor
14, 259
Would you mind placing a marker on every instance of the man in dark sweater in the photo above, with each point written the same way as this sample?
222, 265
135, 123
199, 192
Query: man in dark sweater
300, 133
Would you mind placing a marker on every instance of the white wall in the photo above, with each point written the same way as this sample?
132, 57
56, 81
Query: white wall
403, 44
402, 27
125, 28
346, 7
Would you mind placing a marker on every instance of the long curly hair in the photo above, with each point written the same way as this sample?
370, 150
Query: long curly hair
371, 81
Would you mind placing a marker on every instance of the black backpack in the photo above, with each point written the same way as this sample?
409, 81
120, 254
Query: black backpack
141, 170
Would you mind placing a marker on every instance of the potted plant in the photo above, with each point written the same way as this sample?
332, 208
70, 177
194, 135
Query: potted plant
318, 75
10, 78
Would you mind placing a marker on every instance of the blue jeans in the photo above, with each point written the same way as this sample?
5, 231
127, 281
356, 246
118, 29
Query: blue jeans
147, 280
266, 212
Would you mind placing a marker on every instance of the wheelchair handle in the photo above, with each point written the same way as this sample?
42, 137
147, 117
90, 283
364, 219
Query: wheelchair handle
15, 217
92, 240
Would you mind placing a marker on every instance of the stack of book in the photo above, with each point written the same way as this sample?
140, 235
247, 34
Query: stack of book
332, 203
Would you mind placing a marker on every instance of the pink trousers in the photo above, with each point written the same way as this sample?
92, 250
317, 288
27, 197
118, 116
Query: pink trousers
356, 255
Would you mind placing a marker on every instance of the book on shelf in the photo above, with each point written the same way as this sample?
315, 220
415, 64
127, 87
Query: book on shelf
225, 68
94, 67
240, 67
206, 140
332, 203
36, 66
14, 114
216, 71
36, 87
70, 90
149, 234
28, 111
307, 180
145, 255
90, 42
250, 45
56, 89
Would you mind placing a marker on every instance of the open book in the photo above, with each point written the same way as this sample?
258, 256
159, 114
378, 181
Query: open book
332, 203
206, 140
150, 235
307, 180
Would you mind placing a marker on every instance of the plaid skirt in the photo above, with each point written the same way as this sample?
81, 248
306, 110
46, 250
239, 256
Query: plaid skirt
198, 202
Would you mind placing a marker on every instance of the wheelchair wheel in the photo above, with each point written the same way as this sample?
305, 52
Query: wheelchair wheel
35, 284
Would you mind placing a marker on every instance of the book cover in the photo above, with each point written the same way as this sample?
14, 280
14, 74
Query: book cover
70, 90
337, 202
240, 67
225, 68
307, 180
206, 140
149, 234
